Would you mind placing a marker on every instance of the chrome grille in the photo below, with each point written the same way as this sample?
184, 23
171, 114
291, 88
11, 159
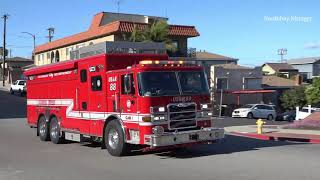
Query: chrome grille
182, 115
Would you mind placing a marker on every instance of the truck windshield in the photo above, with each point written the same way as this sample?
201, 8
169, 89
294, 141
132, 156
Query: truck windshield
172, 83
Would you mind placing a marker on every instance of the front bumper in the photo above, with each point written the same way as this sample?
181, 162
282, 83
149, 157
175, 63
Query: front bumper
184, 137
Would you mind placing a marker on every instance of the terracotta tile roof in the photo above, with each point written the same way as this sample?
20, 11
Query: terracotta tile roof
211, 56
280, 66
96, 31
275, 81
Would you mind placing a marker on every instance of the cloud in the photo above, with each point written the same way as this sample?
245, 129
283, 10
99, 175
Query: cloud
312, 45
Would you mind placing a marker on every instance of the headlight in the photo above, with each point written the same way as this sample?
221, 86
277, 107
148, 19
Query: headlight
205, 106
204, 114
157, 109
158, 118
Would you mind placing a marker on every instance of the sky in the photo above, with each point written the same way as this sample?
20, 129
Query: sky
249, 30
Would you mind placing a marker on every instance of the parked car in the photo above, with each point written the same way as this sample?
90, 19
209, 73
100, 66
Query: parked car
18, 86
304, 112
255, 111
287, 116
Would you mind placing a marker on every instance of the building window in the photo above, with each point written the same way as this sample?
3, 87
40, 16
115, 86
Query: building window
42, 57
52, 57
222, 83
252, 83
38, 58
57, 56
68, 50
175, 44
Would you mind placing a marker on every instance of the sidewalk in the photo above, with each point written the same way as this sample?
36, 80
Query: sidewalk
276, 133
5, 88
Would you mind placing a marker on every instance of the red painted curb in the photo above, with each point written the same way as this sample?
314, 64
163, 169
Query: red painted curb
252, 135
281, 137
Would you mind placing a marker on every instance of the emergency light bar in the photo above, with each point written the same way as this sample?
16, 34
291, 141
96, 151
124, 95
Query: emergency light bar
156, 62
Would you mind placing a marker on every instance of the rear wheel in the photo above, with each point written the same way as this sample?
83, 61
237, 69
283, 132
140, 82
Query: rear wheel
43, 129
270, 117
55, 133
114, 139
11, 91
250, 116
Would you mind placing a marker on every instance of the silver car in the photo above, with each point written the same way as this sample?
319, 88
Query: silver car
255, 111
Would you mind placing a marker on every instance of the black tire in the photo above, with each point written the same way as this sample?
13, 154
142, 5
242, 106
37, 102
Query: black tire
270, 117
43, 129
290, 119
11, 91
250, 116
115, 147
55, 133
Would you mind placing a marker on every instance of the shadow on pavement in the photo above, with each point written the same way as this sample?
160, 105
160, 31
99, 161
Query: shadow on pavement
231, 144
12, 106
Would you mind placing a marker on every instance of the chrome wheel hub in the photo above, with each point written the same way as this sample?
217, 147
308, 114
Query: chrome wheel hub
42, 128
54, 131
113, 138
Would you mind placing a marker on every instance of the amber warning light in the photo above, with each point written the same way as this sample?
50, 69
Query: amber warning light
166, 63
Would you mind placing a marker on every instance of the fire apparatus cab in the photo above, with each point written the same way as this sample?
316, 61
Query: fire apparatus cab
121, 93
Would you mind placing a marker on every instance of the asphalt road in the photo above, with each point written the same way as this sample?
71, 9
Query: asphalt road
24, 156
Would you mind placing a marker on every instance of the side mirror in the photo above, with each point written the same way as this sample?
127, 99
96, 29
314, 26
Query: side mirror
127, 83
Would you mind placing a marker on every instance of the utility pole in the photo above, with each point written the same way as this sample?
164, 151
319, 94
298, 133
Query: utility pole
221, 96
282, 52
118, 5
34, 43
51, 32
5, 17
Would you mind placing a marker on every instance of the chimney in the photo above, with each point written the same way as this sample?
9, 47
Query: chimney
297, 79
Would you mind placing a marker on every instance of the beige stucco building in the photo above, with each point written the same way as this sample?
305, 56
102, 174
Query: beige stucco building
110, 27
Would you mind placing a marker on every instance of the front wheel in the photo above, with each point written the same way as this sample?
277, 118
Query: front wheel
11, 91
114, 139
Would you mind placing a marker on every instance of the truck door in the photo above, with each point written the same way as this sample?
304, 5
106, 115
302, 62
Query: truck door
128, 98
96, 103
82, 100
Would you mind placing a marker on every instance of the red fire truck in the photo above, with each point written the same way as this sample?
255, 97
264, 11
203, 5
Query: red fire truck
121, 93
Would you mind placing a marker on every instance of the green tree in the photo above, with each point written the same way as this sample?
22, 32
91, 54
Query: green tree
156, 32
313, 92
136, 35
1, 52
294, 97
